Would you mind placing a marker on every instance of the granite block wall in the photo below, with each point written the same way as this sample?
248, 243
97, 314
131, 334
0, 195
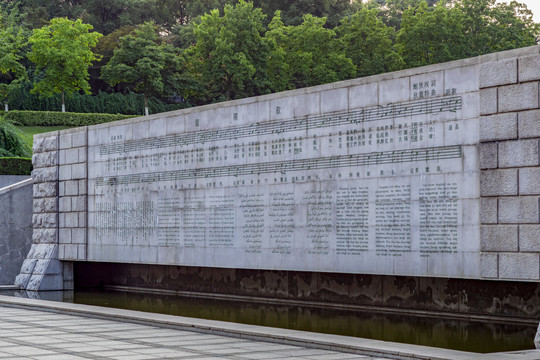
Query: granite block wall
510, 167
42, 269
430, 172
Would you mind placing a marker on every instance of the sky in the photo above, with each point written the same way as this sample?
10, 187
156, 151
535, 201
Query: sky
533, 5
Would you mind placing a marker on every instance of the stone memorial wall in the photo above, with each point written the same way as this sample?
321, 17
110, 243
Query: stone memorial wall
395, 174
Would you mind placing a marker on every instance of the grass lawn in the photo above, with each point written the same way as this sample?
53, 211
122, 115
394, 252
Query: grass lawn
30, 131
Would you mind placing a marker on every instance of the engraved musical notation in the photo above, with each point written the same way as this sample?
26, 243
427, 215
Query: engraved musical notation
373, 158
368, 114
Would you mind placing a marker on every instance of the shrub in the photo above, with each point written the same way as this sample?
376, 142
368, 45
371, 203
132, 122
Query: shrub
15, 166
102, 102
53, 118
12, 142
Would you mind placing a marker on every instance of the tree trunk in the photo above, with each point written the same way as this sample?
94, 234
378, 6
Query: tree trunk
6, 107
63, 104
146, 112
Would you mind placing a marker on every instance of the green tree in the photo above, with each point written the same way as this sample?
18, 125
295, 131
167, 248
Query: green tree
490, 26
292, 11
231, 55
368, 43
147, 65
313, 54
12, 73
62, 53
431, 35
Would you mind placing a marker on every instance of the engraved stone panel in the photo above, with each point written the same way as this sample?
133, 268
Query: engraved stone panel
387, 185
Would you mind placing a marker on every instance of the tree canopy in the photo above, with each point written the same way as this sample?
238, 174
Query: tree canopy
62, 54
183, 53
146, 64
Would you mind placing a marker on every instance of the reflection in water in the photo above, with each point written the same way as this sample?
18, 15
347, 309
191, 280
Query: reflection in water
452, 334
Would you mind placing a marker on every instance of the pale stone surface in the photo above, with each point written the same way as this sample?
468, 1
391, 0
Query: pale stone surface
488, 155
488, 210
488, 101
519, 153
529, 238
79, 138
348, 177
64, 237
44, 236
45, 143
529, 181
402, 148
498, 73
15, 229
45, 159
519, 266
66, 141
499, 127
71, 188
44, 174
529, 124
499, 238
490, 266
499, 182
529, 68
518, 97
519, 210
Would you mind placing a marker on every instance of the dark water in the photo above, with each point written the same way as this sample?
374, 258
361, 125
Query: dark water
464, 335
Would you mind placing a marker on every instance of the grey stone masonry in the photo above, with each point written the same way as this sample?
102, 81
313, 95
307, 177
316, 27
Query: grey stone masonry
510, 168
73, 195
42, 270
453, 148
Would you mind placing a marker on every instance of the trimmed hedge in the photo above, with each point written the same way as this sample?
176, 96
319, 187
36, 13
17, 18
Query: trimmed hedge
15, 166
102, 102
54, 118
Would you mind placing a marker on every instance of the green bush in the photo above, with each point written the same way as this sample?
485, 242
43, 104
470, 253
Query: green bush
53, 118
102, 102
15, 166
12, 141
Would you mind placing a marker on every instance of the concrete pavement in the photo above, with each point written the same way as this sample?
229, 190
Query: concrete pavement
43, 330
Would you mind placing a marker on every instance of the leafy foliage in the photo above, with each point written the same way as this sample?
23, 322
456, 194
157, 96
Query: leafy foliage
12, 72
146, 65
231, 54
313, 54
62, 52
53, 118
12, 142
431, 35
200, 51
368, 43
15, 166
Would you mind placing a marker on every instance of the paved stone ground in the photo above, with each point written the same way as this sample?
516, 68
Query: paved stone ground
32, 334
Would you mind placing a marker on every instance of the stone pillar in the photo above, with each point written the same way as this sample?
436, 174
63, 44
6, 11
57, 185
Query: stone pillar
73, 200
510, 168
42, 270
